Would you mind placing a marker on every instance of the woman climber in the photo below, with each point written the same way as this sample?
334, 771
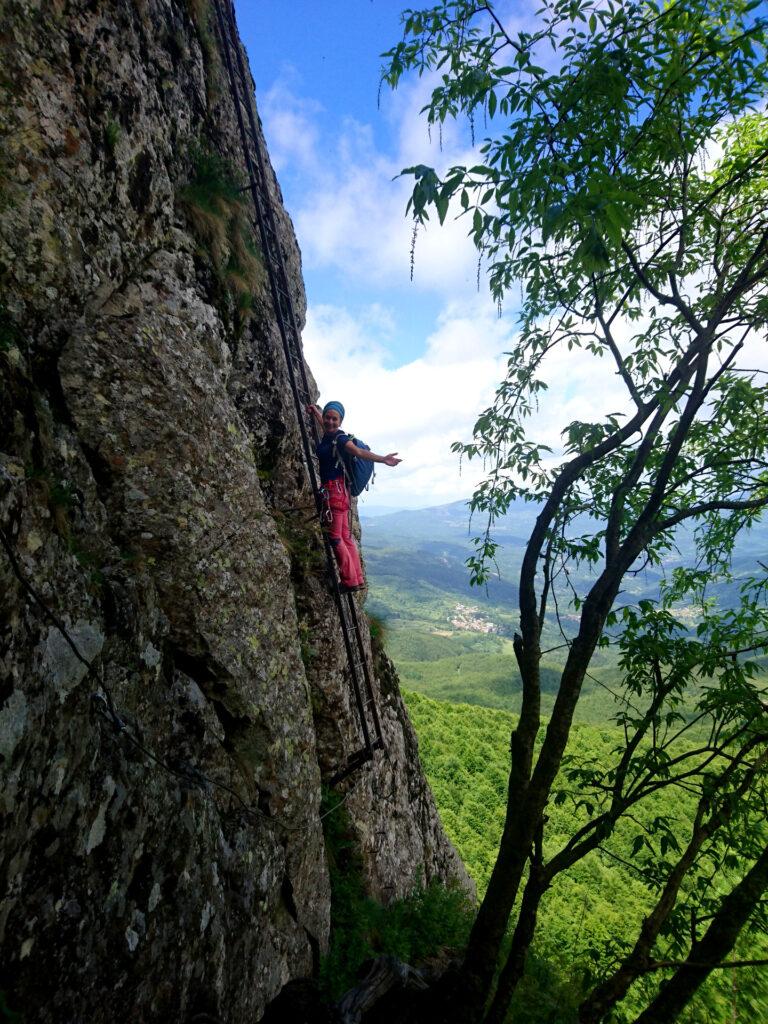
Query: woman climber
336, 494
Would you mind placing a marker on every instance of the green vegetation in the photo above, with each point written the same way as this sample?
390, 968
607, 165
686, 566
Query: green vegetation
111, 136
587, 916
200, 14
307, 648
435, 658
218, 213
377, 627
622, 192
432, 918
466, 667
10, 335
492, 680
8, 1015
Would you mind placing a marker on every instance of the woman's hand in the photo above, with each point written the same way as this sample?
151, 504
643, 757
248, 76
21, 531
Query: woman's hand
316, 411
391, 460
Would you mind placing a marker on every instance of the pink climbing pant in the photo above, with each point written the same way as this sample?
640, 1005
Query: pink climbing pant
342, 541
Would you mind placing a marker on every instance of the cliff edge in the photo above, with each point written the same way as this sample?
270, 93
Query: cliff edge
173, 683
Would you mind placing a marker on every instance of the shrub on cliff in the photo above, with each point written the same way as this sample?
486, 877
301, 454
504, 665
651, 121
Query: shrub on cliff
431, 919
218, 212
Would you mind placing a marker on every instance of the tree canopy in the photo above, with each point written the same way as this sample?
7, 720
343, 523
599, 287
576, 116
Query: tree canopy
623, 188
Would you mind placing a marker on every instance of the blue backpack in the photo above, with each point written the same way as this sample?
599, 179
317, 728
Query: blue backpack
357, 472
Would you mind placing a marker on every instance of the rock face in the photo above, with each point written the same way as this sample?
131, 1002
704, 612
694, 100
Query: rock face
173, 685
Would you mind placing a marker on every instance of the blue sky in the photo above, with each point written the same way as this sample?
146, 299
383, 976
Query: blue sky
414, 362
334, 45
324, 60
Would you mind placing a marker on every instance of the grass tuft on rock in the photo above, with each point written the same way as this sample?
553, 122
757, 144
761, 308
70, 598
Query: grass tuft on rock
217, 210
433, 919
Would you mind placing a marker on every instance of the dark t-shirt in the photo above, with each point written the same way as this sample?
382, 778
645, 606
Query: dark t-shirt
329, 467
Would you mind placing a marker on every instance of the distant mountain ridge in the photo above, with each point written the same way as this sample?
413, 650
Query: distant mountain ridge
441, 536
419, 588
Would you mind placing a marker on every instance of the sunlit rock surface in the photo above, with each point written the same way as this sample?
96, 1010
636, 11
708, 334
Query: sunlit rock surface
152, 493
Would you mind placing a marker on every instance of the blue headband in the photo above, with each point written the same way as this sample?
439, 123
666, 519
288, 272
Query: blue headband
339, 408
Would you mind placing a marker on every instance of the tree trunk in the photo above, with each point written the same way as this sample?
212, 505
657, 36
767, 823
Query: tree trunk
613, 988
527, 798
513, 969
476, 975
706, 954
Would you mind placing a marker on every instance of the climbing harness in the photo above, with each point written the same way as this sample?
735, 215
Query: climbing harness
241, 89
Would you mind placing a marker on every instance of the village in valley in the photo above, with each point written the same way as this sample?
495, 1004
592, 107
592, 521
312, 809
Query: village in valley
466, 616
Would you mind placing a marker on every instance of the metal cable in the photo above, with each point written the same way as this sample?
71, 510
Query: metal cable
285, 315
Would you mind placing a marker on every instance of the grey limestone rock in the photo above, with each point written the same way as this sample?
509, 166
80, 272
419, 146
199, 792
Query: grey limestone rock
172, 677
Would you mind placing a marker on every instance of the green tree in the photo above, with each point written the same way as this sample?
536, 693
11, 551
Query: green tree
624, 188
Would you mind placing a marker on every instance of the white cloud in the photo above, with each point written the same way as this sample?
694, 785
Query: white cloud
292, 125
416, 409
350, 215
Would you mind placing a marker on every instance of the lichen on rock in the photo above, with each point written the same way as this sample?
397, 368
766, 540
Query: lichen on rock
173, 687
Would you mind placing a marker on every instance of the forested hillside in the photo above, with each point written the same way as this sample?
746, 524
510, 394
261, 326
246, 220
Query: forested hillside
591, 912
417, 562
418, 580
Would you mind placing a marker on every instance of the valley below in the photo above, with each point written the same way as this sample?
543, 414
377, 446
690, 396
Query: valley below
452, 646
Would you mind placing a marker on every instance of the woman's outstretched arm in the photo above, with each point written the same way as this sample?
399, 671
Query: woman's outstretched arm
363, 453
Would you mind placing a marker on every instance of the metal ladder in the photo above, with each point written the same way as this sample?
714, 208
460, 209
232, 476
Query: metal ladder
264, 220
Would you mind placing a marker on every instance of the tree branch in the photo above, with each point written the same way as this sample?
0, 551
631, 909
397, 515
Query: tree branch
613, 988
667, 300
657, 965
710, 506
614, 348
710, 951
